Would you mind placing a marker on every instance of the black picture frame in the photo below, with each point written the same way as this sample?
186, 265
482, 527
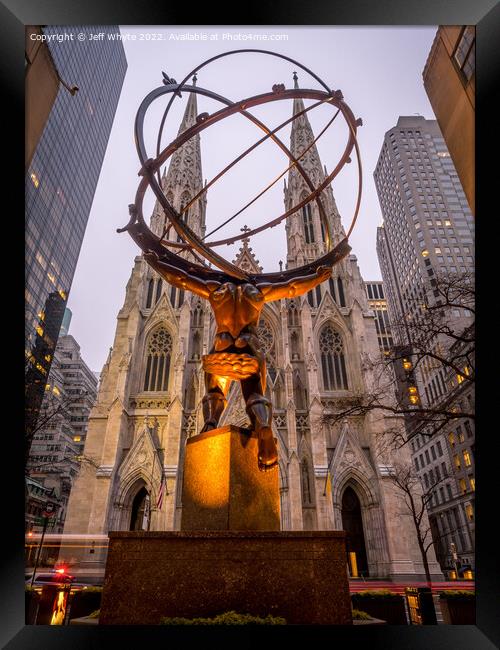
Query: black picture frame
14, 15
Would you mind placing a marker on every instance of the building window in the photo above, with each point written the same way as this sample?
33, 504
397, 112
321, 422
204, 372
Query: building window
472, 482
308, 224
159, 350
467, 459
158, 290
332, 359
469, 511
465, 53
150, 294
463, 485
305, 484
340, 286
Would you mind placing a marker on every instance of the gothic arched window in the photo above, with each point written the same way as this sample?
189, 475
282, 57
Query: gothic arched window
149, 297
333, 293
176, 296
197, 315
158, 353
331, 348
308, 224
158, 289
341, 292
299, 393
314, 296
305, 483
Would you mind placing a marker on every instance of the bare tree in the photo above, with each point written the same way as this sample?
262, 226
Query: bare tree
434, 338
417, 500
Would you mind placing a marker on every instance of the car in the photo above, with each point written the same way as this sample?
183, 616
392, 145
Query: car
56, 578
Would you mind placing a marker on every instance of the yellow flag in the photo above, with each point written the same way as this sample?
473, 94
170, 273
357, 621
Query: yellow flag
328, 483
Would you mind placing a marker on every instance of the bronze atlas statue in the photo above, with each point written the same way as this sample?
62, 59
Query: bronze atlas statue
235, 296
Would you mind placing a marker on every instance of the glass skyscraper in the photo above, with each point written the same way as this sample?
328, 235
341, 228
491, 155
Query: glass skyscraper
60, 185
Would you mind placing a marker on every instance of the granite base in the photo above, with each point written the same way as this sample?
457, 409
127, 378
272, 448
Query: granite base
301, 576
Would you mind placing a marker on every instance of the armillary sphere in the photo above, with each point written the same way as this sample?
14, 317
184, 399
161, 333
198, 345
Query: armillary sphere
203, 251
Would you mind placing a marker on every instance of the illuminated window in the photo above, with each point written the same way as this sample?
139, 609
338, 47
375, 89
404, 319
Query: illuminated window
447, 222
467, 459
77, 438
56, 391
412, 390
451, 438
39, 331
41, 315
457, 462
63, 294
51, 278
463, 485
34, 179
47, 386
41, 261
437, 251
469, 511
48, 357
425, 253
407, 365
472, 482
414, 399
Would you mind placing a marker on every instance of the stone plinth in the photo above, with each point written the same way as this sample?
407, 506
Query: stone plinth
223, 488
301, 576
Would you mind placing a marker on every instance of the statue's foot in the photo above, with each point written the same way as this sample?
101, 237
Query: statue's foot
268, 451
209, 426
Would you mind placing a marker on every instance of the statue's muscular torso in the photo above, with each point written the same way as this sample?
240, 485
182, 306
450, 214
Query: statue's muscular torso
237, 309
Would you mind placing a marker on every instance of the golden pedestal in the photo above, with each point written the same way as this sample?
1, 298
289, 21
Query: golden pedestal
223, 488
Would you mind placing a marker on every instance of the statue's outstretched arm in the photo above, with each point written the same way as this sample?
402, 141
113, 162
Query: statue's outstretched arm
296, 286
177, 277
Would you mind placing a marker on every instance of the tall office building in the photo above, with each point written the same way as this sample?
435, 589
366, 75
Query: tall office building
70, 393
427, 234
59, 188
377, 302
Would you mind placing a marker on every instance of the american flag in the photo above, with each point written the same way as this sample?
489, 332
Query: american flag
161, 493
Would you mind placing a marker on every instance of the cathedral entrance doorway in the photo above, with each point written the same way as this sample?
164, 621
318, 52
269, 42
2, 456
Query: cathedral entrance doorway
139, 519
352, 523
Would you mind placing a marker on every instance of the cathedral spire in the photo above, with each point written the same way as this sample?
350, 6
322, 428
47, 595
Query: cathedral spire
305, 232
184, 177
191, 110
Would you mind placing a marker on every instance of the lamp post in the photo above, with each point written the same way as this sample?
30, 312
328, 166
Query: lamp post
48, 513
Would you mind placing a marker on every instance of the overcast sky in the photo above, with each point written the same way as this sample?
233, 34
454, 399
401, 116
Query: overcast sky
379, 71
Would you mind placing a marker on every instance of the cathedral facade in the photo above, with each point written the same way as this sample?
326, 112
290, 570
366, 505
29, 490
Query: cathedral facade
319, 349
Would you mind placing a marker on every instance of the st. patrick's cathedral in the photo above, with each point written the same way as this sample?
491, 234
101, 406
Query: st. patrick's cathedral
319, 348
